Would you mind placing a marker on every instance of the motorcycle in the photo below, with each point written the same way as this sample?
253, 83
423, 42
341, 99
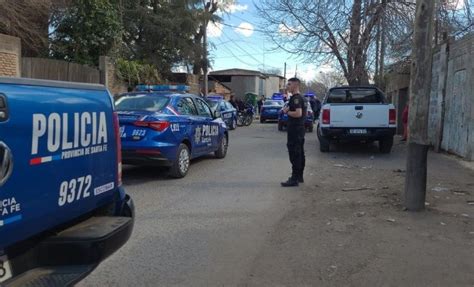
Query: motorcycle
245, 117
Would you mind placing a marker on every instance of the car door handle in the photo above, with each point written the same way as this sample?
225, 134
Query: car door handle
359, 108
3, 108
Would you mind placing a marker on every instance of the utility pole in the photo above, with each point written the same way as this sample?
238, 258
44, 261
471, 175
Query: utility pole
284, 71
209, 8
205, 65
420, 84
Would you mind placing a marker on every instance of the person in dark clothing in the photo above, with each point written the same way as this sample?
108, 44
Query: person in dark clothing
317, 108
260, 103
312, 103
296, 111
240, 105
232, 101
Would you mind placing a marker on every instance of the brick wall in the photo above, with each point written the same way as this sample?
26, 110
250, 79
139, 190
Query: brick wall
222, 90
10, 56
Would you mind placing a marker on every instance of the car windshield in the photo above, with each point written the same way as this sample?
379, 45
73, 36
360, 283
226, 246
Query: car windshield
272, 103
213, 104
355, 96
134, 102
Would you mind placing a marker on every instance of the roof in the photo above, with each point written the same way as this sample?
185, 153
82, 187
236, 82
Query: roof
275, 75
49, 83
238, 72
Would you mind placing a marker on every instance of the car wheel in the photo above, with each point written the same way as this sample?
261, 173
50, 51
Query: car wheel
385, 145
223, 145
324, 143
180, 166
233, 126
280, 126
262, 120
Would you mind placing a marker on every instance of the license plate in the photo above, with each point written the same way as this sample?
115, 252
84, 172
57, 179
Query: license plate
358, 131
5, 269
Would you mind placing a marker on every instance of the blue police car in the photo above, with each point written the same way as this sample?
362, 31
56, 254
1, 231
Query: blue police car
164, 125
270, 110
227, 111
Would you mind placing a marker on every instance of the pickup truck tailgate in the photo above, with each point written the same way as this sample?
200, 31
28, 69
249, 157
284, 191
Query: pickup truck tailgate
359, 116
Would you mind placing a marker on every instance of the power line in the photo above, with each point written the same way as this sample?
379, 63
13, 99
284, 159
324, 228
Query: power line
243, 28
246, 55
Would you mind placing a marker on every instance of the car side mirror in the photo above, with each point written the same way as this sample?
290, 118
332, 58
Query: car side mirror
217, 114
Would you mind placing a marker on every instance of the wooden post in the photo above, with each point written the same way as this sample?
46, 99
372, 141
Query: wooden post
420, 86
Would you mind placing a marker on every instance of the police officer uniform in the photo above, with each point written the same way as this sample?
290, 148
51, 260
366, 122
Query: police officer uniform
295, 141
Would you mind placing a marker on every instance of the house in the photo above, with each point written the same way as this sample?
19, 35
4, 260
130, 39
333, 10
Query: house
242, 81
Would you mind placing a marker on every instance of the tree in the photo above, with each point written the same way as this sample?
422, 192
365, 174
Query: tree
341, 31
85, 31
28, 20
331, 79
134, 73
159, 32
316, 87
273, 71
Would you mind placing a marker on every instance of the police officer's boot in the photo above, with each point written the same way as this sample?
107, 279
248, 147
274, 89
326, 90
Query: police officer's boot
290, 182
300, 179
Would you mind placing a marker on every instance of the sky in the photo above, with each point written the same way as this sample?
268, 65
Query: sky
237, 43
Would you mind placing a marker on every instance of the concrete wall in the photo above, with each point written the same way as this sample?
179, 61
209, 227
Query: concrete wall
451, 118
240, 85
458, 119
272, 85
10, 56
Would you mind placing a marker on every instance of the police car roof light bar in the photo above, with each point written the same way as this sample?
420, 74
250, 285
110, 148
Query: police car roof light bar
162, 88
277, 96
215, 97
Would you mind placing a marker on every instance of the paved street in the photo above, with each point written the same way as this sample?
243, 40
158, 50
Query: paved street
230, 223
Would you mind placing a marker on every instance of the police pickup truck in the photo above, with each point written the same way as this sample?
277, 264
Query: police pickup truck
357, 114
62, 205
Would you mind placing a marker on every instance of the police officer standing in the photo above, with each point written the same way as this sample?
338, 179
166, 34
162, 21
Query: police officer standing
296, 111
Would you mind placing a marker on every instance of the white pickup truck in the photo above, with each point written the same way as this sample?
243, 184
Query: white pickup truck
351, 113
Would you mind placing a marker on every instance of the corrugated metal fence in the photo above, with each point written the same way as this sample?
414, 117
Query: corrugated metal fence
452, 98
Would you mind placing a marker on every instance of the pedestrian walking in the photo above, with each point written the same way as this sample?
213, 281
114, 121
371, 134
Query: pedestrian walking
405, 123
296, 111
260, 103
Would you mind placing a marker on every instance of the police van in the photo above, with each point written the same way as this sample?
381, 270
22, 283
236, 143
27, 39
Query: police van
62, 205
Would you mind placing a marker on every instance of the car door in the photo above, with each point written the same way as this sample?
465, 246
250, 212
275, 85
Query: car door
232, 110
226, 114
207, 132
189, 121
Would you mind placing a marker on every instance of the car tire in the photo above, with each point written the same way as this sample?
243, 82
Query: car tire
280, 126
386, 144
223, 145
180, 166
234, 124
262, 121
324, 143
